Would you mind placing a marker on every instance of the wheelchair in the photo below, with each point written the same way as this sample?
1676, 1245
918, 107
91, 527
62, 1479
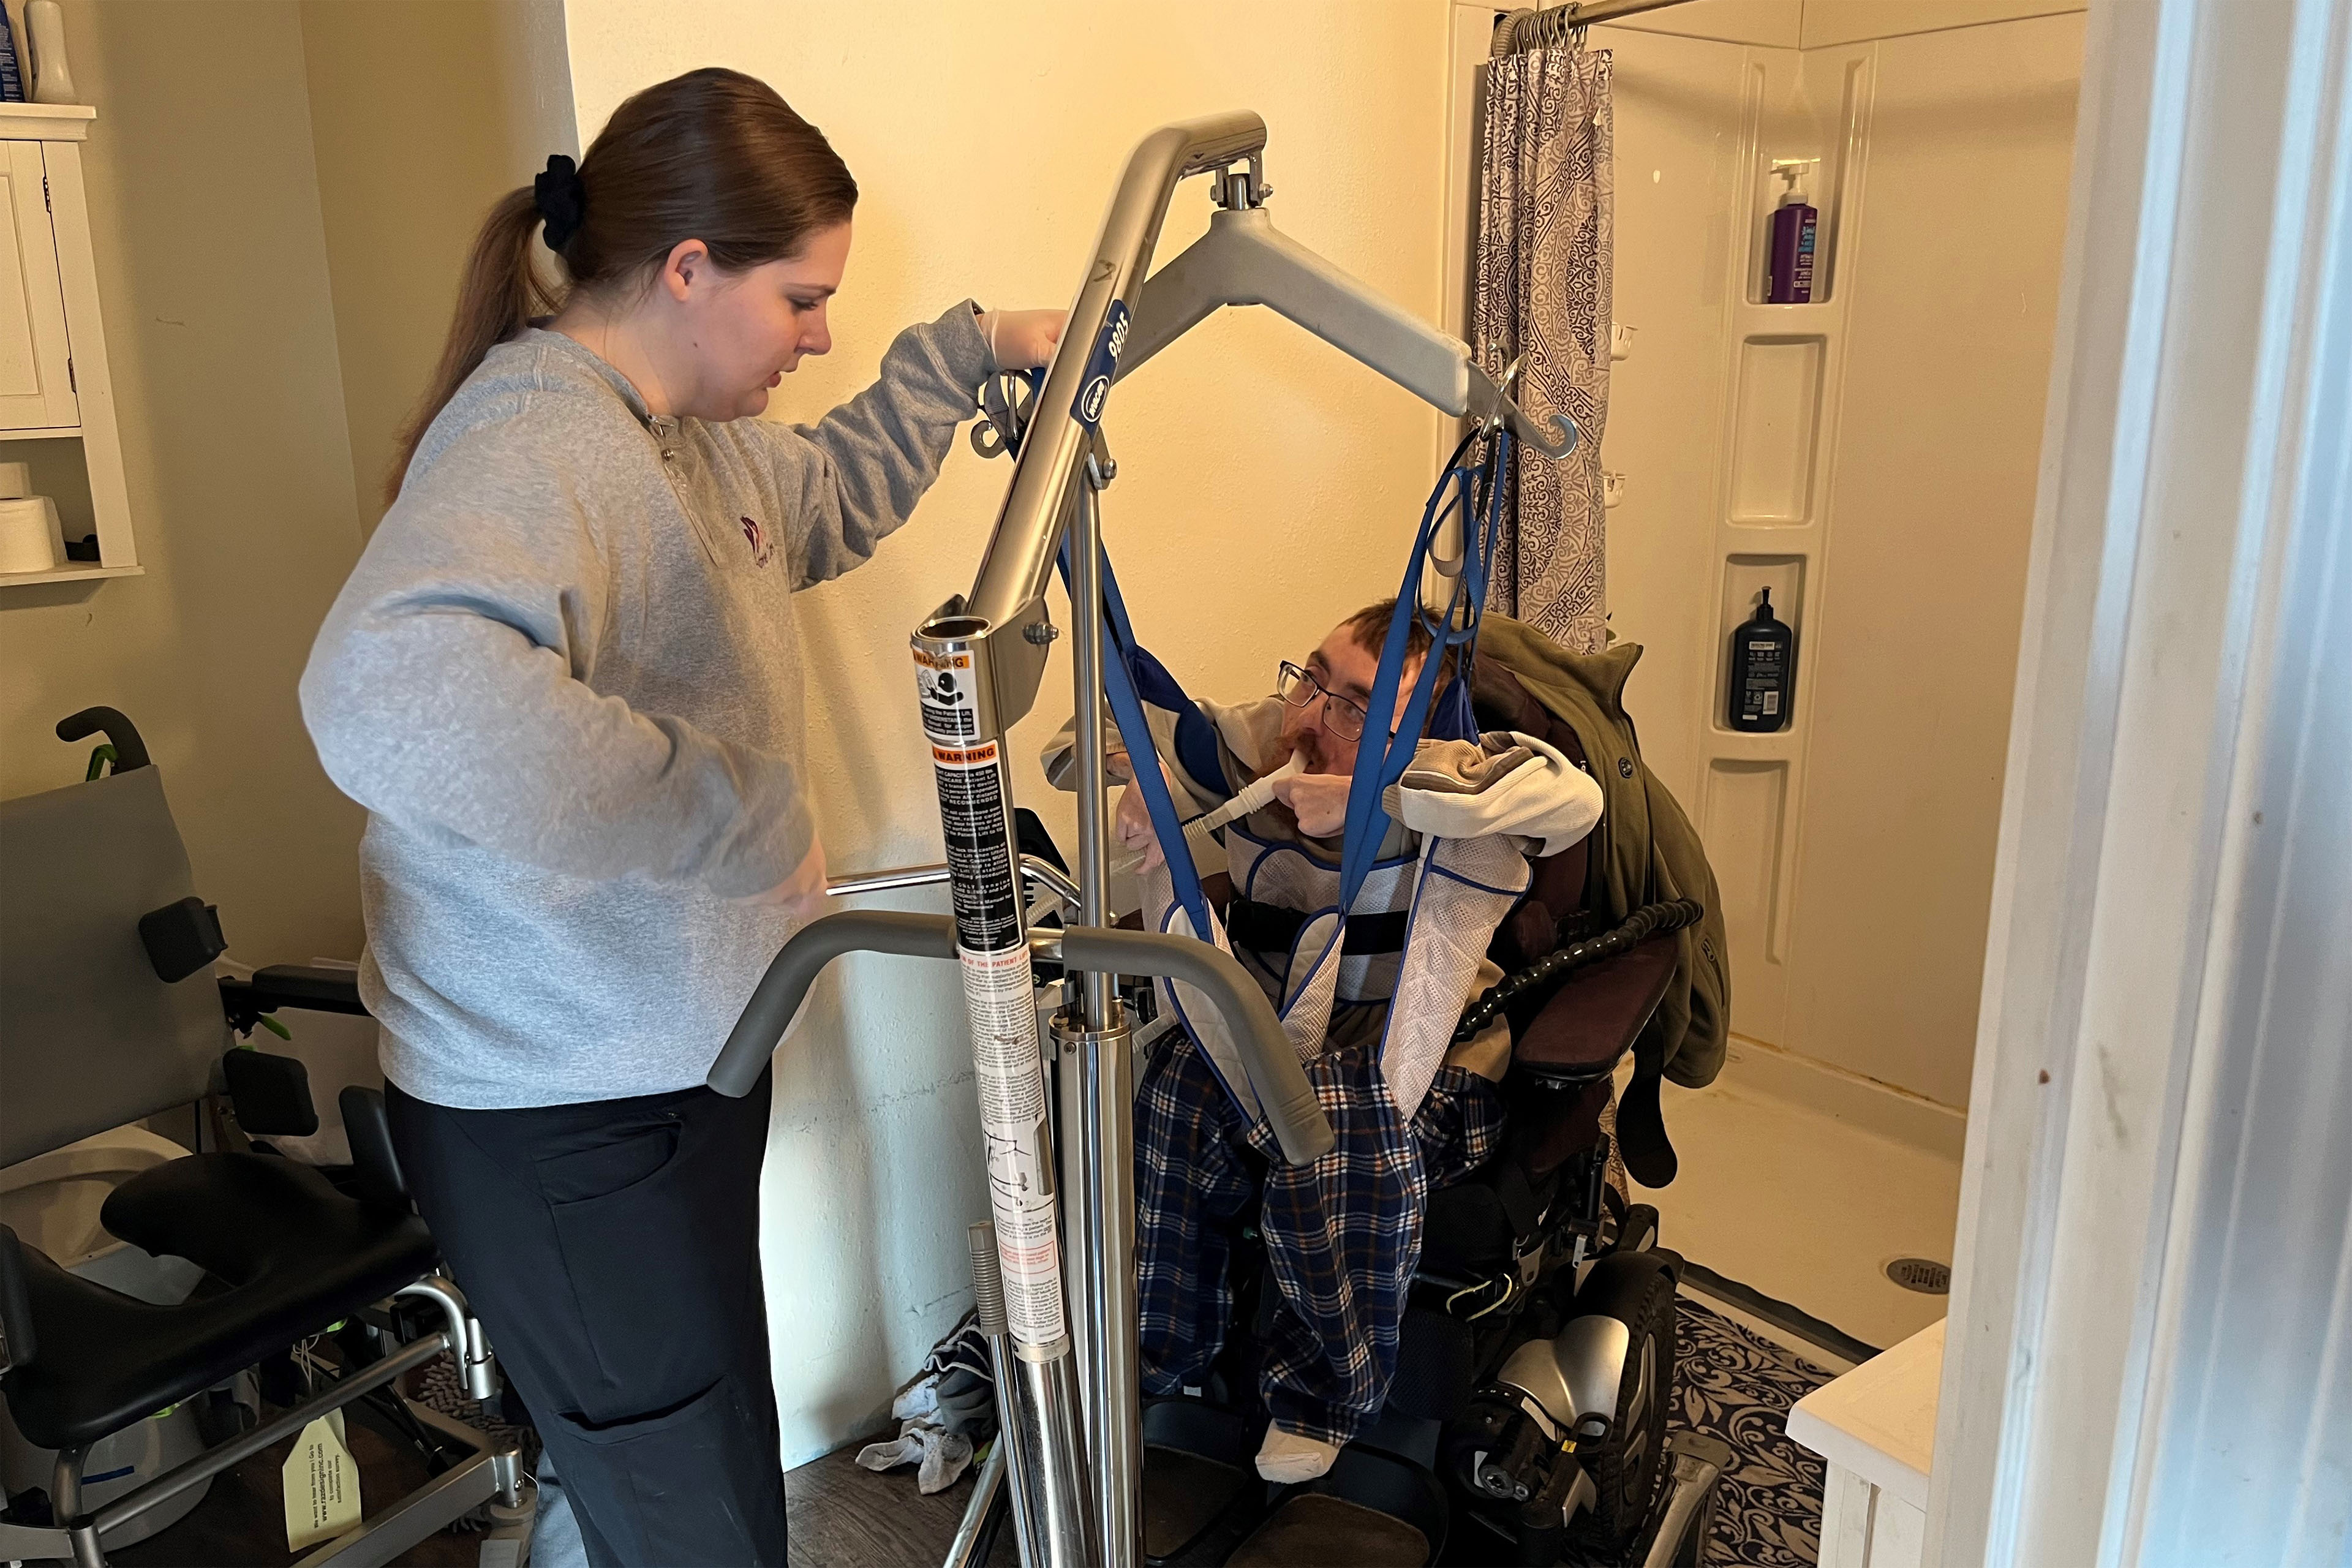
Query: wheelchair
109, 1013
1529, 1420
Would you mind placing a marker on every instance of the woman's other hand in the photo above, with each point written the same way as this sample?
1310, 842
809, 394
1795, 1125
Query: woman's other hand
1022, 340
802, 894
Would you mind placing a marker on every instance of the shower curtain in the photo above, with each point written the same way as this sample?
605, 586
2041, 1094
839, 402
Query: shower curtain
1541, 291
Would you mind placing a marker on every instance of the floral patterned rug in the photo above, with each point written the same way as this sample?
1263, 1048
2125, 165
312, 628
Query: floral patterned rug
1737, 1386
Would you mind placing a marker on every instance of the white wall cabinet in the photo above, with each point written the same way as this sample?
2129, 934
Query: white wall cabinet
37, 378
57, 397
1875, 1428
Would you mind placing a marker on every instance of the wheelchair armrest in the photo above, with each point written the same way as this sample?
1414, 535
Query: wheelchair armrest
1586, 1026
374, 1166
271, 1095
315, 990
16, 1342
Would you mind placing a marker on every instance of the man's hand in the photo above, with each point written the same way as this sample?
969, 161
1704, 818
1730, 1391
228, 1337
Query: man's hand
800, 895
1319, 802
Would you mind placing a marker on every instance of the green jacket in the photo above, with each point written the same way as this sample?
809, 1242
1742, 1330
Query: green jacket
1645, 850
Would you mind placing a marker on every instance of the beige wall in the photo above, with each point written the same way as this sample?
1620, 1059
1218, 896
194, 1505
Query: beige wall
408, 161
206, 215
1931, 504
1856, 849
1266, 486
281, 193
1677, 120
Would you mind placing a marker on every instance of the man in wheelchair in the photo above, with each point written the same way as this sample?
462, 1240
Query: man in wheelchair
1369, 1294
1341, 1236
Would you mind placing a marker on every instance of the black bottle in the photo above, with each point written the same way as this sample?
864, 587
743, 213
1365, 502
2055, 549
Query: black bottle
1763, 671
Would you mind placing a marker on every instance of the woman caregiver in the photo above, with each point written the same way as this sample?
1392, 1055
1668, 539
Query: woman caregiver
565, 679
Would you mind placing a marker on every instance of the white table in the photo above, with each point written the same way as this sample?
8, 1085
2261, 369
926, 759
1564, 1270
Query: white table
1876, 1429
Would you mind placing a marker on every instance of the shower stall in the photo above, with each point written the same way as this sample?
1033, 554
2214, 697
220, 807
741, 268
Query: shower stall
1868, 458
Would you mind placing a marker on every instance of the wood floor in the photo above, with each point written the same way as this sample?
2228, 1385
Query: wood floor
841, 1517
241, 1523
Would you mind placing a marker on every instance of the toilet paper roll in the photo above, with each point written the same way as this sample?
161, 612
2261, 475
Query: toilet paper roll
31, 537
15, 480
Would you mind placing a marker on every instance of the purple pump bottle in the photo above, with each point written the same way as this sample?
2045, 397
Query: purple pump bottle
1789, 278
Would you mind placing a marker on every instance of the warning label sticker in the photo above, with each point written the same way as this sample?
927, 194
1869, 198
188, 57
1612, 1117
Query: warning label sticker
1000, 997
960, 723
980, 848
943, 683
1019, 1153
973, 816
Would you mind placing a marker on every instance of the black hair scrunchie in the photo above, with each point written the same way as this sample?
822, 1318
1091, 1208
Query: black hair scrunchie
561, 201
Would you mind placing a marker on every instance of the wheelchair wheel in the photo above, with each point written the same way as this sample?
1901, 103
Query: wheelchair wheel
1625, 1474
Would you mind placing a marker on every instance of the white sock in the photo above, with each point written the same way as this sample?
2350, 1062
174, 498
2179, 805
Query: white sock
1288, 1458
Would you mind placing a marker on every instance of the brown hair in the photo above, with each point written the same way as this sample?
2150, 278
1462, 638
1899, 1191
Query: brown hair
1368, 628
713, 155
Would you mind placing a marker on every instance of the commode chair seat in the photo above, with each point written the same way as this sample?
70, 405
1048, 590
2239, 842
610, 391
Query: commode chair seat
109, 1014
286, 1253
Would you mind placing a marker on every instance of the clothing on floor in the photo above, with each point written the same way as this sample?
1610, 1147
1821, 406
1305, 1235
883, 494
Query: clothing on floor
956, 1388
942, 1411
565, 678
611, 1251
939, 1454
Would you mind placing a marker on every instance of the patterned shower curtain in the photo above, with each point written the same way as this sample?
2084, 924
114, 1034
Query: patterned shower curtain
1546, 191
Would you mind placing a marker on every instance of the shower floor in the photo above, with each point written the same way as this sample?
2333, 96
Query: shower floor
1804, 1185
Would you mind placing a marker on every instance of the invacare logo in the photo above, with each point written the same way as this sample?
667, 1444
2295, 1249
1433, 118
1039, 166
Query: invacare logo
758, 537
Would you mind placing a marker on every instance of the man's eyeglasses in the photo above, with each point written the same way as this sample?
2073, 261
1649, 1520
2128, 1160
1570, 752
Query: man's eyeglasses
1299, 688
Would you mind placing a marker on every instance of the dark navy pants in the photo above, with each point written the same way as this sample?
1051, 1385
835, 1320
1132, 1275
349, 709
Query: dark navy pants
611, 1251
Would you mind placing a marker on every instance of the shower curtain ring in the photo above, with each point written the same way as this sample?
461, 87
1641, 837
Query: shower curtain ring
1508, 384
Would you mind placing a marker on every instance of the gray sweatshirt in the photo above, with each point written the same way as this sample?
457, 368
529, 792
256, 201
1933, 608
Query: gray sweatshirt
565, 680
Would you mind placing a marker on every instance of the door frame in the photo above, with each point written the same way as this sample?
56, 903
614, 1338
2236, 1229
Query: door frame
2172, 720
2173, 824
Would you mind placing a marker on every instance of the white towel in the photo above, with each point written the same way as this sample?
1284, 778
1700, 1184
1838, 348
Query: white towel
941, 1454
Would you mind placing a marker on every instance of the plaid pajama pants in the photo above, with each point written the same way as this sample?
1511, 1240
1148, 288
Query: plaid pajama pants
1342, 1235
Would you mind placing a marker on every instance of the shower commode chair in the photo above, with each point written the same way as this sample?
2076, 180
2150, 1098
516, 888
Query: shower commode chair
1552, 1411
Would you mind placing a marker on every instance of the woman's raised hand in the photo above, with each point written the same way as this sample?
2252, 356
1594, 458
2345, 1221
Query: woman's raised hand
1022, 340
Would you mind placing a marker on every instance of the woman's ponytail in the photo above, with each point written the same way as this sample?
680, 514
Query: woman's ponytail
713, 155
500, 293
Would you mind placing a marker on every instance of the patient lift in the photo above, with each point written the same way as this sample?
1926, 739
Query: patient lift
1059, 1278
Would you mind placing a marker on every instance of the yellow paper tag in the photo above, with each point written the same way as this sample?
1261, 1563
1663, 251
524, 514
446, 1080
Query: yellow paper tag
321, 1485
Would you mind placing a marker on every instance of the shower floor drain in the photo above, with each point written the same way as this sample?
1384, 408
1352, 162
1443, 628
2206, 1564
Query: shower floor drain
1924, 1275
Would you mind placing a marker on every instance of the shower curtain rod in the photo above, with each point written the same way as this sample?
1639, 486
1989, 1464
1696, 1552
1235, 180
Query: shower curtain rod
1552, 24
